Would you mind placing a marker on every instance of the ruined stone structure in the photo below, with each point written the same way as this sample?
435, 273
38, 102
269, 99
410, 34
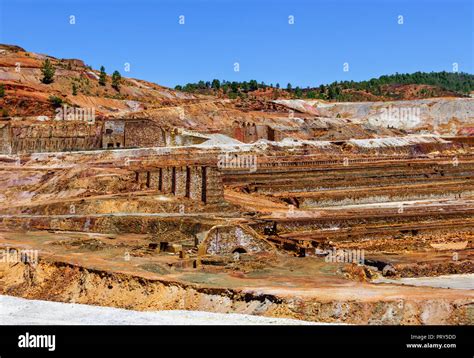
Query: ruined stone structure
114, 134
196, 182
251, 132
21, 137
225, 240
73, 63
62, 136
134, 133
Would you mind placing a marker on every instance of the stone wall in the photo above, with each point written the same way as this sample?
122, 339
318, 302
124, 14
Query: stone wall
251, 132
62, 136
214, 188
141, 133
144, 133
195, 190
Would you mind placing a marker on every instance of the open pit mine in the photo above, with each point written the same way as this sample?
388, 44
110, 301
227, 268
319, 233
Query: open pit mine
356, 213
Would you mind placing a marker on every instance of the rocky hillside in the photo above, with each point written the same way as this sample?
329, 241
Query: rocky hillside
74, 83
24, 95
418, 85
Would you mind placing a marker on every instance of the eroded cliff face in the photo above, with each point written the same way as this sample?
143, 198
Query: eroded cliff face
57, 281
446, 116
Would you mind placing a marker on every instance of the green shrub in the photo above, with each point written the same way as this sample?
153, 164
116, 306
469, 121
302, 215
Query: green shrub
56, 101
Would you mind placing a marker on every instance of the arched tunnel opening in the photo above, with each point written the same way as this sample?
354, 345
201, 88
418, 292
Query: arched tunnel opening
239, 250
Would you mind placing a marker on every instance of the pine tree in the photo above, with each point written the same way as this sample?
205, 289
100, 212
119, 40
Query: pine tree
216, 84
253, 85
102, 76
116, 78
298, 92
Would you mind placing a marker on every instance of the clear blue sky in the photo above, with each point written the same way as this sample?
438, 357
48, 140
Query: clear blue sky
254, 33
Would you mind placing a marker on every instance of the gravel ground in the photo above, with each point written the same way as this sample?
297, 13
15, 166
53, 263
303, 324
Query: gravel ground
460, 282
20, 311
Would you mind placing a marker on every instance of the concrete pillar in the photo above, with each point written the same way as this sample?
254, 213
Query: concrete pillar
154, 180
195, 184
180, 181
142, 179
214, 186
167, 174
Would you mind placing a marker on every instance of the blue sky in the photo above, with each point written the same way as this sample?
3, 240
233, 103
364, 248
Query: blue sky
254, 33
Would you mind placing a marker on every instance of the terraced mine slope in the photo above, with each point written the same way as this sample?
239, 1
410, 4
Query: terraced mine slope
327, 212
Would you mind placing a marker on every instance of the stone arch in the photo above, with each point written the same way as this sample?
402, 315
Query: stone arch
239, 250
228, 239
